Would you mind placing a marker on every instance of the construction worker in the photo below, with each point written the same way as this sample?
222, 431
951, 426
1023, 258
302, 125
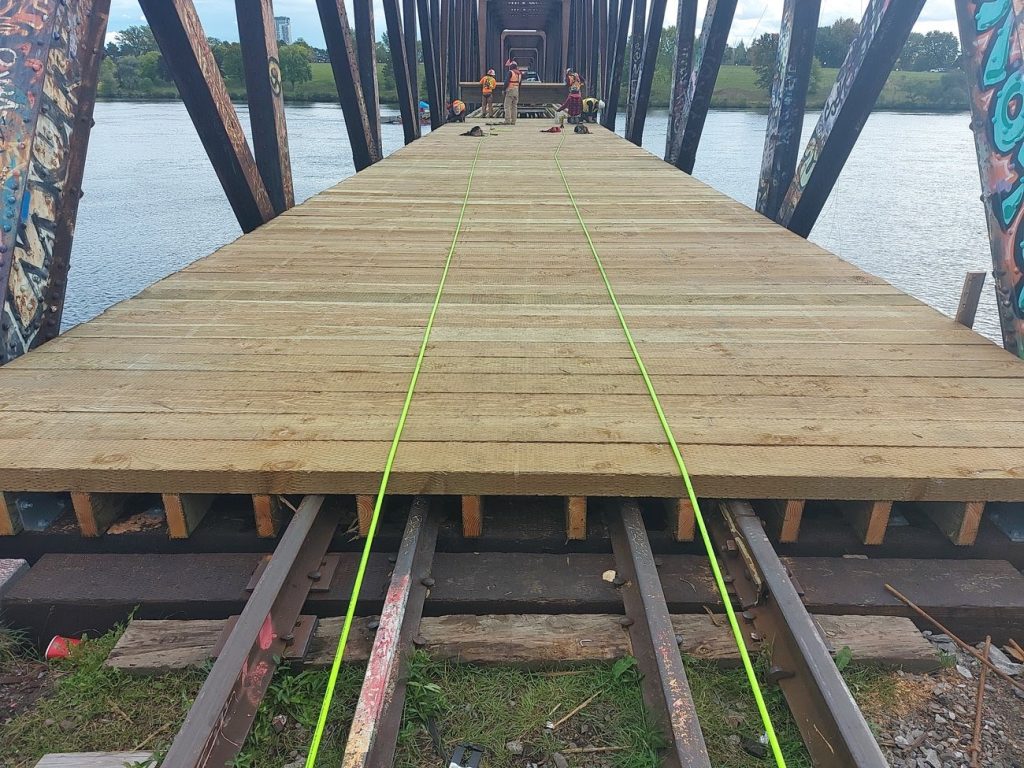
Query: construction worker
512, 80
457, 112
573, 104
487, 85
591, 106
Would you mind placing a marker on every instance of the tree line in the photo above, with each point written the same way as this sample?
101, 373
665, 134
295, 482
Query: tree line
133, 65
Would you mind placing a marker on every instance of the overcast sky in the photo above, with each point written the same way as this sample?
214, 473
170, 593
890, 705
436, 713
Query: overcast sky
753, 17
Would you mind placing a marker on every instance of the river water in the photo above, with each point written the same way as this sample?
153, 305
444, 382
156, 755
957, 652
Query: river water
906, 207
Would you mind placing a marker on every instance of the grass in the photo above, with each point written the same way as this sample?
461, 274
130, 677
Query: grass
92, 707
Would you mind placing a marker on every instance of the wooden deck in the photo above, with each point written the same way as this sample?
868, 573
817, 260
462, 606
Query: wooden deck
279, 363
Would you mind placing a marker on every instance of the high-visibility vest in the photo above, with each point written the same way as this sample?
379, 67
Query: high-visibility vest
488, 84
514, 78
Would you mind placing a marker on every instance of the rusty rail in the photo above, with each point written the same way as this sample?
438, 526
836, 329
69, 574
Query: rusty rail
222, 714
833, 728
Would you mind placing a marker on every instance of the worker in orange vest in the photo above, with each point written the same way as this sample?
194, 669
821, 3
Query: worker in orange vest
487, 84
512, 80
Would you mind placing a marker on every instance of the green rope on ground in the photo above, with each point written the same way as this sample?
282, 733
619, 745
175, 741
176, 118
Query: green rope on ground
715, 569
332, 681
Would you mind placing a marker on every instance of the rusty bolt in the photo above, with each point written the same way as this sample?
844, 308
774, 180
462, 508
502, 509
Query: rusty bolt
658, 562
748, 615
392, 559
625, 621
618, 581
679, 639
372, 624
419, 641
427, 582
755, 636
288, 639
315, 575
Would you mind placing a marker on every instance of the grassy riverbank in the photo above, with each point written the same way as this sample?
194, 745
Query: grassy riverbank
736, 89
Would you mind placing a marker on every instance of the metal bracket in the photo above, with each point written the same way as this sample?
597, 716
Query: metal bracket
297, 645
322, 577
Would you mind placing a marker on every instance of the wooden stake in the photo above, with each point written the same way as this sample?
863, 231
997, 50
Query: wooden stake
268, 513
364, 511
576, 518
974, 282
97, 511
185, 512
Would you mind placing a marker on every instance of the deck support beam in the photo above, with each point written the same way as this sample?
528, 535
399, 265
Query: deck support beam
187, 52
338, 34
681, 151
789, 98
883, 33
993, 53
47, 97
645, 77
265, 92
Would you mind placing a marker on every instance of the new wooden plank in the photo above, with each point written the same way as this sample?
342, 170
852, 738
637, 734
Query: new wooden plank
576, 518
682, 519
10, 518
868, 518
472, 516
958, 520
268, 512
279, 363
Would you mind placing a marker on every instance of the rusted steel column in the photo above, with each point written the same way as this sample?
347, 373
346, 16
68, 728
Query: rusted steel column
789, 97
49, 67
366, 57
833, 728
406, 106
438, 46
636, 60
665, 688
265, 93
587, 53
682, 70
564, 28
611, 108
409, 37
635, 130
185, 49
714, 35
338, 34
571, 51
378, 715
600, 54
430, 66
482, 27
990, 36
611, 35
883, 33
219, 720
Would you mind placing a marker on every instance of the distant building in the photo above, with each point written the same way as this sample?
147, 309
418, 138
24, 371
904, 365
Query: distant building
283, 24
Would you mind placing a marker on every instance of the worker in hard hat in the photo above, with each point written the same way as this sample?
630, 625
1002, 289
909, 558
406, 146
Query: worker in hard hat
573, 104
512, 80
457, 111
591, 107
487, 85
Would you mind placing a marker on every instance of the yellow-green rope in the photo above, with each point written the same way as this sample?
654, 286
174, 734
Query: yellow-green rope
719, 581
318, 734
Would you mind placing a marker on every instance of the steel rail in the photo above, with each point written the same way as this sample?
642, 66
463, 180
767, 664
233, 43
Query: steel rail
222, 714
666, 691
373, 735
833, 728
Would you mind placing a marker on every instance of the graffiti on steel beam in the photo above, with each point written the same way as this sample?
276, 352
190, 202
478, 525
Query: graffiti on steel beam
989, 31
25, 42
44, 45
845, 80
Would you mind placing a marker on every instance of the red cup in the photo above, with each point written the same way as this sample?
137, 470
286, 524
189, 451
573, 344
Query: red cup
60, 647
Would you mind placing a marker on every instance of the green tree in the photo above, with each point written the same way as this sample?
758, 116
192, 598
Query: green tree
939, 50
108, 79
740, 56
833, 42
231, 62
764, 52
295, 63
151, 67
128, 74
135, 41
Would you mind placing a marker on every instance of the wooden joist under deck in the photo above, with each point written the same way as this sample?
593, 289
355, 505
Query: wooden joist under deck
279, 364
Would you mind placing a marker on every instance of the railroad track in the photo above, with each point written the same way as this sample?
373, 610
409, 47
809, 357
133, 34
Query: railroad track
773, 617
